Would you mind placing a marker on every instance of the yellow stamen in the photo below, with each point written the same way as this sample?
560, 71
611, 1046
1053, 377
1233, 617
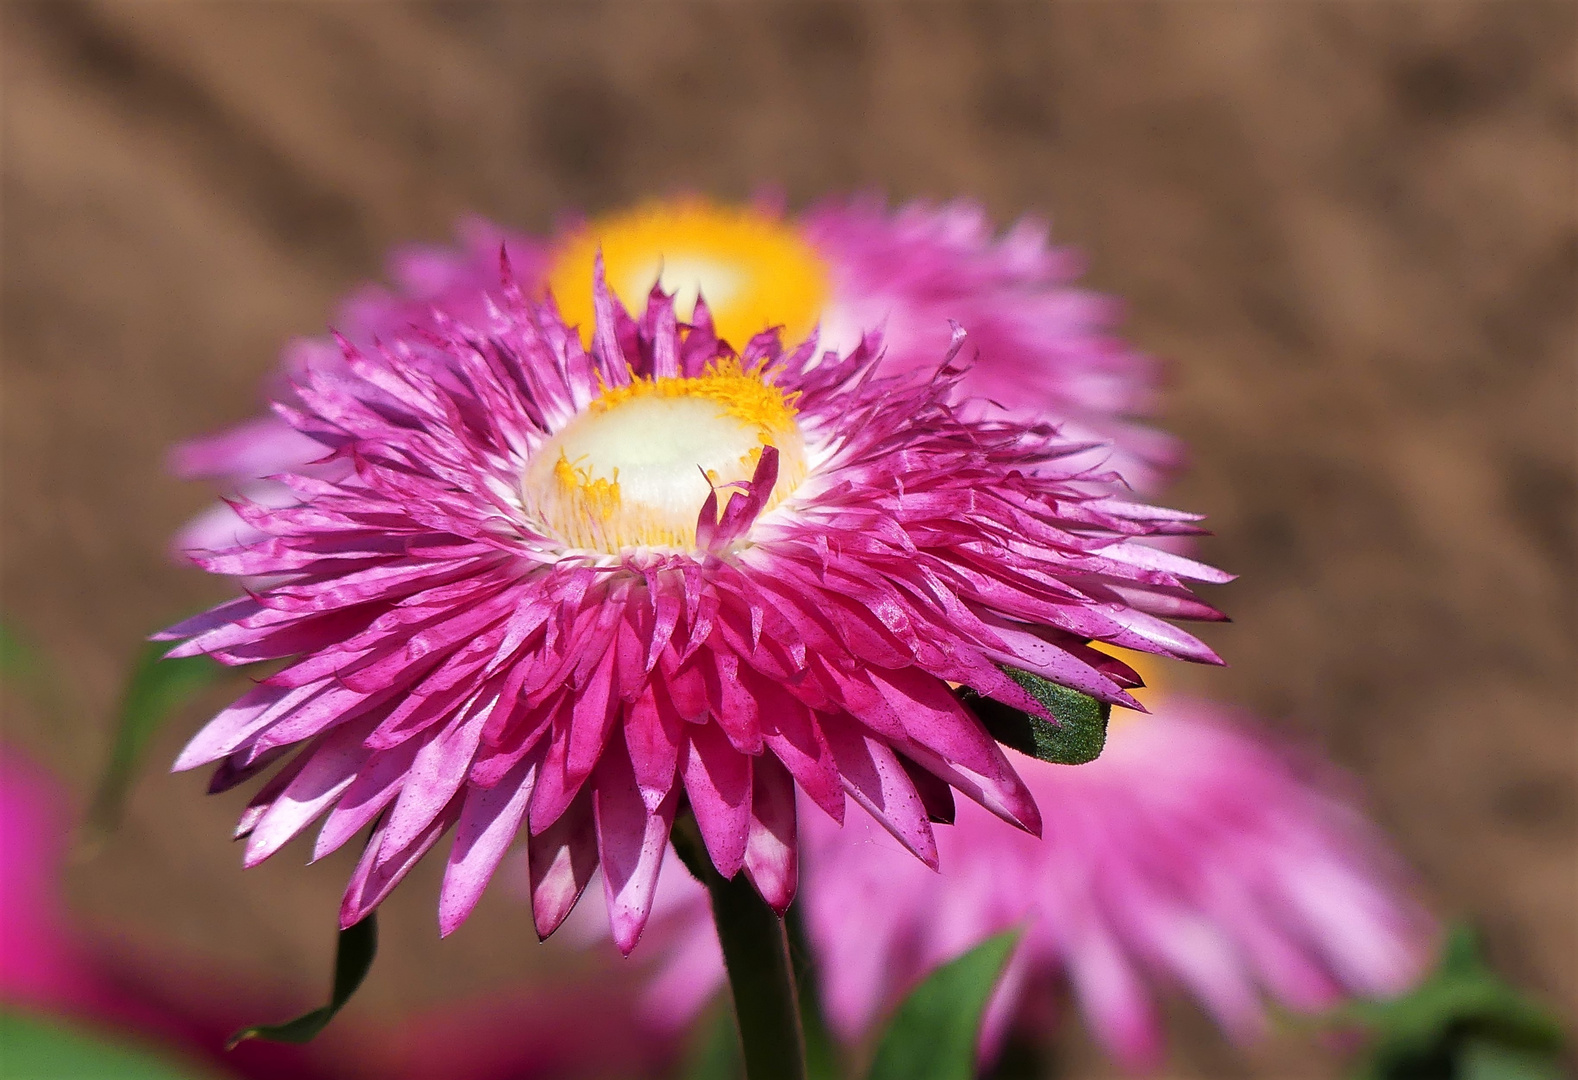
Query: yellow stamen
743, 395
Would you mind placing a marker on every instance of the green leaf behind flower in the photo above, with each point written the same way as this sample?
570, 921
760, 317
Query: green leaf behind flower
17, 662
25, 671
353, 957
1483, 1060
1461, 1022
714, 1050
1077, 737
155, 691
934, 1034
45, 1048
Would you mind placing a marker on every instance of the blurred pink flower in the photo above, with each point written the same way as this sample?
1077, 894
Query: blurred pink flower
1192, 853
157, 998
530, 608
1043, 347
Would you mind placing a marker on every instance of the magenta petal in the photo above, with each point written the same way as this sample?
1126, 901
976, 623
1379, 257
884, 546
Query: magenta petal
261, 803
489, 819
770, 851
652, 736
374, 788
631, 842
330, 767
556, 789
381, 870
875, 778
437, 772
561, 861
718, 781
256, 448
1115, 1002
227, 732
798, 743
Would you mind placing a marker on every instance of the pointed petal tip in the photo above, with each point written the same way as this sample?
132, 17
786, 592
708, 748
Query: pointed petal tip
780, 902
449, 921
544, 927
193, 758
1034, 826
627, 931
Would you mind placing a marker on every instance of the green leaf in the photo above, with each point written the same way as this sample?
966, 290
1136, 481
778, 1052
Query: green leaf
44, 1048
714, 1051
1461, 1019
353, 957
1484, 1060
25, 671
154, 692
1076, 738
934, 1034
17, 662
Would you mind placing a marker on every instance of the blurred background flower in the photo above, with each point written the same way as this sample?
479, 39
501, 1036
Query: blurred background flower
166, 1010
1350, 229
1194, 853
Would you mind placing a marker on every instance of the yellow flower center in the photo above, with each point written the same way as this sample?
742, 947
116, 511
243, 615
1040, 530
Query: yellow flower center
753, 270
635, 467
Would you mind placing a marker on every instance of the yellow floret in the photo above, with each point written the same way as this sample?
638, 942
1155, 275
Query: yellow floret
744, 395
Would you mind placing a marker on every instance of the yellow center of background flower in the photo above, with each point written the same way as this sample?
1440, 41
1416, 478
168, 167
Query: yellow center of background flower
754, 270
635, 467
1148, 667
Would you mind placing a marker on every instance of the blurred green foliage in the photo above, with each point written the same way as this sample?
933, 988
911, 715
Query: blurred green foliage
155, 691
39, 1048
935, 1032
1462, 1023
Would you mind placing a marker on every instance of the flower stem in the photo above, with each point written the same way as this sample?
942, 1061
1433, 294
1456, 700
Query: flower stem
756, 954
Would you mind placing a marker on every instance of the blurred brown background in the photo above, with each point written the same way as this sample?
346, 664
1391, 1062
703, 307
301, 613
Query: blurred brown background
1350, 227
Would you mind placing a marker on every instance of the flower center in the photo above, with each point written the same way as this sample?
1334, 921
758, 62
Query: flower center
635, 467
754, 270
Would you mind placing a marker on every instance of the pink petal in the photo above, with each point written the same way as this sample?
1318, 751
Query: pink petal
489, 819
631, 842
331, 766
770, 851
718, 781
875, 779
381, 870
561, 861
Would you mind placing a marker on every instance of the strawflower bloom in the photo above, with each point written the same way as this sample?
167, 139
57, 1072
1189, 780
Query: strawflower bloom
1047, 348
1193, 853
562, 591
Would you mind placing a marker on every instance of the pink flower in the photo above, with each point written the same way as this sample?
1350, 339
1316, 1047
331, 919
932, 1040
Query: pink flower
1192, 853
1046, 348
563, 590
157, 998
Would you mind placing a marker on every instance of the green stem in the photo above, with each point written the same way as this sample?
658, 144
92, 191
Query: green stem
756, 954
